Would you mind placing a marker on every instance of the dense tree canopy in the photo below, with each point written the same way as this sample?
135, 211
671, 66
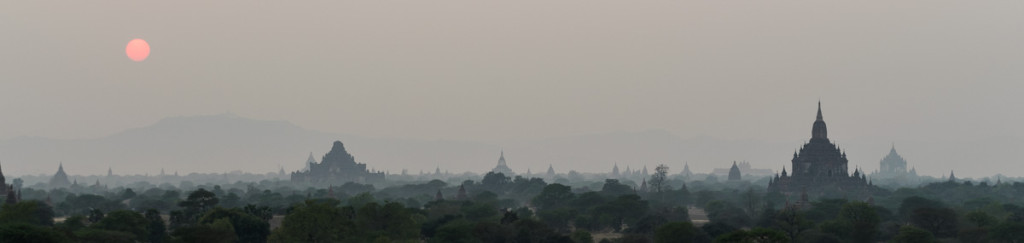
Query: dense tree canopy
503, 208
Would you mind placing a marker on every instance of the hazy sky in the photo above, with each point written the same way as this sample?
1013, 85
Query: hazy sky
500, 70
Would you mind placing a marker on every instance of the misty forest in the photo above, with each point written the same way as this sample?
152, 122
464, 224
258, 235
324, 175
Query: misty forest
337, 199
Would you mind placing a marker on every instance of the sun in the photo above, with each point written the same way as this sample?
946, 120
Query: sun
137, 50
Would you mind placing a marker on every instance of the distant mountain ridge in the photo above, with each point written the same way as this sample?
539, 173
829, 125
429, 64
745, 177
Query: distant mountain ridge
225, 142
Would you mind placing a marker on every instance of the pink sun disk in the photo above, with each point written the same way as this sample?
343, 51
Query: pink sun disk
137, 50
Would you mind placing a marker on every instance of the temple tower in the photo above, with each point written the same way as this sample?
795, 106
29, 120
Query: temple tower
819, 166
892, 163
734, 172
502, 166
60, 179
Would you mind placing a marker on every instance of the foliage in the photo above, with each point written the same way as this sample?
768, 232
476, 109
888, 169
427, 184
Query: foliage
676, 232
220, 231
727, 213
791, 221
198, 202
25, 232
519, 209
125, 221
715, 229
98, 235
28, 212
582, 236
612, 187
248, 228
862, 219
87, 203
553, 196
659, 179
911, 234
1009, 232
756, 235
391, 220
315, 222
95, 215
940, 221
911, 204
361, 199
71, 224
156, 227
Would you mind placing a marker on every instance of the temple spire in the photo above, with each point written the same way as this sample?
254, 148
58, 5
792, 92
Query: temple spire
501, 158
819, 112
819, 131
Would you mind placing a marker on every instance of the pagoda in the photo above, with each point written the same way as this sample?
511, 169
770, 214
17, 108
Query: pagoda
820, 167
502, 167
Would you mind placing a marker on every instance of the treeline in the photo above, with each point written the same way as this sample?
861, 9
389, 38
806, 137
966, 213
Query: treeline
499, 208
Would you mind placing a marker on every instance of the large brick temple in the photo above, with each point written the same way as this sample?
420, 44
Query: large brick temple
820, 169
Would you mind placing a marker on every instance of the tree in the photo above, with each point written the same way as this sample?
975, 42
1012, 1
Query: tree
791, 221
981, 219
911, 234
658, 179
493, 179
910, 204
315, 222
675, 232
459, 230
557, 218
231, 200
28, 212
552, 196
24, 232
178, 219
199, 201
1008, 232
95, 215
647, 224
582, 236
71, 224
127, 194
479, 211
84, 203
756, 235
391, 220
724, 212
262, 212
361, 199
612, 187
624, 209
156, 228
862, 218
93, 234
940, 221
247, 228
752, 201
220, 231
127, 222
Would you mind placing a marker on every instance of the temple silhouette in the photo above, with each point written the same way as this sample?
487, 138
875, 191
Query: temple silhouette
502, 167
820, 169
337, 167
